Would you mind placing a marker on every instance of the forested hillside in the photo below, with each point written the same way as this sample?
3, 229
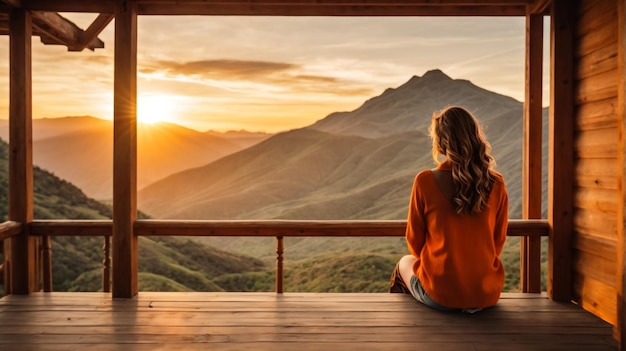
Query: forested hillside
165, 264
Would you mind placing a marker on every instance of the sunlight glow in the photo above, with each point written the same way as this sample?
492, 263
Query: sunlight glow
156, 108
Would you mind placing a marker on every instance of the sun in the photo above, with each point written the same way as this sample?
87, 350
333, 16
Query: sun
156, 108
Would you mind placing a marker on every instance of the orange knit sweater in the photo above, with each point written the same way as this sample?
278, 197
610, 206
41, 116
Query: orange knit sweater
458, 256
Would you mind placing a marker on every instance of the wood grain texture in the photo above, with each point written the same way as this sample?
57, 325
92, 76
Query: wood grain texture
620, 325
23, 267
298, 7
302, 321
125, 251
561, 146
597, 145
297, 228
530, 247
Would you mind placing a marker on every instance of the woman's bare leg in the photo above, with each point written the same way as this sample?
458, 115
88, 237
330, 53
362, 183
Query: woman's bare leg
405, 267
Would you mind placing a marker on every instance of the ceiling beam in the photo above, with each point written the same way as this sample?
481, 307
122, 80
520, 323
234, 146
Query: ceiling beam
12, 3
57, 30
296, 7
540, 7
347, 2
241, 9
89, 6
95, 28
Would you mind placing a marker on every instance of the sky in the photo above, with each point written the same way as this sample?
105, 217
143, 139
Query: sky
271, 73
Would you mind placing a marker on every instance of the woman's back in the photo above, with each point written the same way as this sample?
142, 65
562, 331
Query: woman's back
457, 219
458, 265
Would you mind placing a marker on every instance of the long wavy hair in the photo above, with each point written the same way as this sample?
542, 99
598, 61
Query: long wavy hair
457, 135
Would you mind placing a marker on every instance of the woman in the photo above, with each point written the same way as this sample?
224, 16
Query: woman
457, 220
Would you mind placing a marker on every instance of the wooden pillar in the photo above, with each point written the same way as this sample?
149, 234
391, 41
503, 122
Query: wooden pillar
125, 264
530, 279
620, 329
561, 149
23, 265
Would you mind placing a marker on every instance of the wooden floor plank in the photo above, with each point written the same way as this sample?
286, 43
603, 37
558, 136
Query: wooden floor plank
290, 321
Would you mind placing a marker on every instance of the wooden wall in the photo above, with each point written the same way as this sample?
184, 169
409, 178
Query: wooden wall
598, 171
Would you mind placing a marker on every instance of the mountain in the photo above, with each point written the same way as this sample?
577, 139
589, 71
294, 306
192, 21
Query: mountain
349, 165
79, 149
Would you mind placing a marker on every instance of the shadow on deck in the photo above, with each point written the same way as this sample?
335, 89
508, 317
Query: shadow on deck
290, 321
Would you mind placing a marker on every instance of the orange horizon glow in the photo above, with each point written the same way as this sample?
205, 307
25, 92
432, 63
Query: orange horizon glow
157, 108
261, 77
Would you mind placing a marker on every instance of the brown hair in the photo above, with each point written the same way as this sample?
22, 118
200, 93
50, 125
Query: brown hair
457, 135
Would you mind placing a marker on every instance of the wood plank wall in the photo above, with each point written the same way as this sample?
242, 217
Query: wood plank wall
619, 331
597, 171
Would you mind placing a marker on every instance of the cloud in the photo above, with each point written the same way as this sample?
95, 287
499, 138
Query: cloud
250, 76
221, 69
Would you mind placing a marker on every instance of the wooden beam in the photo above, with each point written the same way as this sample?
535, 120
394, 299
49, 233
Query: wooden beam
12, 3
352, 9
149, 227
436, 3
530, 259
561, 146
297, 7
94, 29
125, 267
10, 229
23, 247
60, 31
91, 6
540, 7
620, 328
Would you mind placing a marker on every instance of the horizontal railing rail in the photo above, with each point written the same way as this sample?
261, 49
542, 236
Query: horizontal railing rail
9, 229
257, 228
297, 228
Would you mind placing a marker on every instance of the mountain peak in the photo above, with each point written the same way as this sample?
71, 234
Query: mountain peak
436, 74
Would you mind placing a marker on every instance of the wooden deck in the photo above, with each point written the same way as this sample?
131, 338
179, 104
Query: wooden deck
290, 321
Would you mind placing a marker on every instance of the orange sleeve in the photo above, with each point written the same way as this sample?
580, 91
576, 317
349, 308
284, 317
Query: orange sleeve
502, 219
415, 225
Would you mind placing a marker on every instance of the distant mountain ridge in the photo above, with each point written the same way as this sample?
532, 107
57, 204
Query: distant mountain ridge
349, 165
80, 149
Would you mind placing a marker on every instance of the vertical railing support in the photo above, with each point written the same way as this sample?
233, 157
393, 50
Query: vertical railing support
279, 264
106, 265
46, 253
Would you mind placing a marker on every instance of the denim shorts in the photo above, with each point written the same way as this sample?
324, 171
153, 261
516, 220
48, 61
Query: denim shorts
420, 295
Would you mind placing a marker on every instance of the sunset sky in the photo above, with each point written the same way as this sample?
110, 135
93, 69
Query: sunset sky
271, 73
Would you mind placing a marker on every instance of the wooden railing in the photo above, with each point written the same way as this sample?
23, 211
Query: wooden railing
264, 228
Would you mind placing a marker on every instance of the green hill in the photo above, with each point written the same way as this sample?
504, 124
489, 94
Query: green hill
165, 263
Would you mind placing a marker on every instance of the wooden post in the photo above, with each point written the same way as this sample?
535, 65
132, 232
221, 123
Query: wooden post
620, 329
125, 264
561, 149
23, 265
530, 259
